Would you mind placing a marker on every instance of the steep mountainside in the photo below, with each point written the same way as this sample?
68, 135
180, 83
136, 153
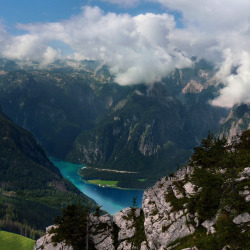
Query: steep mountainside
152, 130
78, 113
204, 205
32, 190
238, 120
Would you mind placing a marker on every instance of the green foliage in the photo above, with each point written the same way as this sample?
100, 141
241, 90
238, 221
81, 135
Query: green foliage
32, 190
176, 203
207, 201
73, 227
210, 153
76, 109
138, 224
11, 241
227, 233
219, 190
125, 180
218, 193
98, 211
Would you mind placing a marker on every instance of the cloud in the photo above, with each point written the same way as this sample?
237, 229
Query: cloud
237, 86
220, 32
137, 49
146, 47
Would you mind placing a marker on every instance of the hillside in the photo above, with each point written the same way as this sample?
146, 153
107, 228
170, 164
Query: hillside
204, 205
77, 113
32, 190
10, 241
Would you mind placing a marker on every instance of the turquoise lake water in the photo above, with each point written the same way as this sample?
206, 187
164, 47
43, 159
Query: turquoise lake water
111, 199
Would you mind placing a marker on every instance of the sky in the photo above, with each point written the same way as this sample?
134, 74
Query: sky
140, 40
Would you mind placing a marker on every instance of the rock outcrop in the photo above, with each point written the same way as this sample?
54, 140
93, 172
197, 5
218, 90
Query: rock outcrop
46, 243
101, 232
195, 204
164, 221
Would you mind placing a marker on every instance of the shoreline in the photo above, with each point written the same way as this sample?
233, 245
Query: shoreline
110, 170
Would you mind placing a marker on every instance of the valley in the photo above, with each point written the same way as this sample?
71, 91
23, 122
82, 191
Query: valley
124, 125
107, 143
111, 199
80, 115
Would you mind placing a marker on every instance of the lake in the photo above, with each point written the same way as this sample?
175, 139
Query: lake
111, 199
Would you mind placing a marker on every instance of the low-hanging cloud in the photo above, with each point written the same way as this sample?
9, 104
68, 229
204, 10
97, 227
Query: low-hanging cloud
145, 48
137, 49
237, 86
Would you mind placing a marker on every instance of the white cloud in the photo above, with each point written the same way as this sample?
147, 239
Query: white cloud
146, 47
137, 49
218, 30
237, 86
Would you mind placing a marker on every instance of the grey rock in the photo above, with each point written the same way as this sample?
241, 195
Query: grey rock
101, 232
124, 222
144, 246
189, 189
125, 245
244, 193
247, 198
227, 247
242, 218
208, 224
244, 175
45, 242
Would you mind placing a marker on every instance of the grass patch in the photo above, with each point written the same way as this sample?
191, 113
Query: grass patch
103, 182
142, 180
10, 241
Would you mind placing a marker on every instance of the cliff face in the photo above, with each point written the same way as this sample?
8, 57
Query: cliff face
166, 218
202, 206
238, 120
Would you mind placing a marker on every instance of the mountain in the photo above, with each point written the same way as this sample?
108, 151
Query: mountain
32, 189
238, 120
204, 205
152, 130
77, 113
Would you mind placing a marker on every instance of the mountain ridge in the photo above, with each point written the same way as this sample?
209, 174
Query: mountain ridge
29, 183
70, 105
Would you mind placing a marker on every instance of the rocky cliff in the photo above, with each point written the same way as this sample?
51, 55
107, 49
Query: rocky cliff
238, 120
199, 207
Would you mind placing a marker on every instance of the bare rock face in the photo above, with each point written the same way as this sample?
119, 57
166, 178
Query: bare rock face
164, 223
124, 222
125, 245
189, 189
46, 244
101, 232
165, 217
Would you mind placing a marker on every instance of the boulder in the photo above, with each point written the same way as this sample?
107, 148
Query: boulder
242, 218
